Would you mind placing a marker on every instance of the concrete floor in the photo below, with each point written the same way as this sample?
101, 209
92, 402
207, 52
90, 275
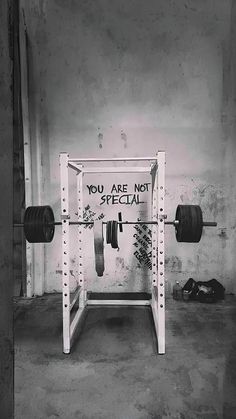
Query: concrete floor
114, 370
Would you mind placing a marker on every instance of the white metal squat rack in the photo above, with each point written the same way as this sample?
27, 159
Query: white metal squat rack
157, 301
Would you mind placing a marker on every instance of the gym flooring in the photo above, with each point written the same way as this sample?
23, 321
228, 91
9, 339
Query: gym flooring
113, 370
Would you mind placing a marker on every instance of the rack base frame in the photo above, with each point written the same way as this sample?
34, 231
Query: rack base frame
157, 300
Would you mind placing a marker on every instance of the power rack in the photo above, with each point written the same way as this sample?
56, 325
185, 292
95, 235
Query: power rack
156, 169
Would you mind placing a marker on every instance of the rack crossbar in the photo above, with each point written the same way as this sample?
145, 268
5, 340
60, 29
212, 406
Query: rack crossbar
77, 293
74, 167
91, 302
137, 169
124, 159
78, 319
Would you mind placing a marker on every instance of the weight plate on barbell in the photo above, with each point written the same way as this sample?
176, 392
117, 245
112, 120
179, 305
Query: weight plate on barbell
39, 224
108, 232
98, 247
114, 234
190, 225
120, 219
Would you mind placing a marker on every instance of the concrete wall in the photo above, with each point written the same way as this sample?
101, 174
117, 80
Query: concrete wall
229, 149
123, 78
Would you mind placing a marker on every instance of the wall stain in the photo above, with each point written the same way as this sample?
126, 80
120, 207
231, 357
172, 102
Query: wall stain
190, 264
216, 204
100, 139
120, 263
210, 198
174, 263
124, 138
223, 234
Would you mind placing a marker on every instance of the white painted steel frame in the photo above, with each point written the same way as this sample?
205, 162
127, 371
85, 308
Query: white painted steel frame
124, 159
117, 169
158, 251
68, 326
101, 302
65, 251
157, 302
83, 293
75, 298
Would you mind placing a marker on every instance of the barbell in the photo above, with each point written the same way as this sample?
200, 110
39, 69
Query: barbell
39, 224
39, 227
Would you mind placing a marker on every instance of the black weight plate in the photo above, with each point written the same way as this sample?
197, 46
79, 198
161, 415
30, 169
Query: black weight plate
98, 247
31, 217
114, 235
120, 219
39, 224
48, 224
108, 232
189, 229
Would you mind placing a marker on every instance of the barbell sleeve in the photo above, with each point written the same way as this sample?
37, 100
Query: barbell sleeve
174, 223
204, 223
